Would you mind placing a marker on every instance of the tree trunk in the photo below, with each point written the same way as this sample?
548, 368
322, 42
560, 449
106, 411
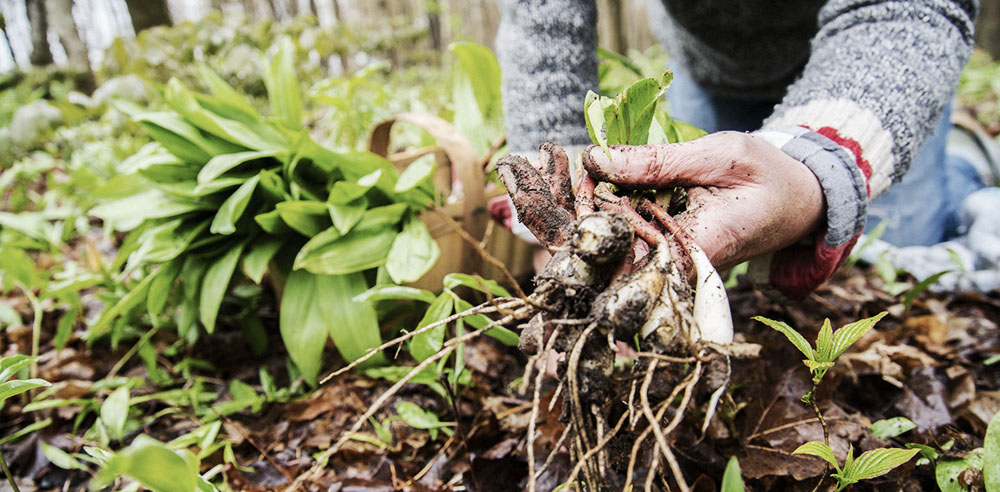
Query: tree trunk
6, 38
60, 15
988, 27
434, 25
148, 13
40, 53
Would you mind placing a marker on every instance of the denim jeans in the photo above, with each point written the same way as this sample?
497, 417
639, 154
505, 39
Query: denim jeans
920, 209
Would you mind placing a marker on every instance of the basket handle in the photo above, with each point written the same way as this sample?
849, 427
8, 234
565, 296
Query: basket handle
468, 179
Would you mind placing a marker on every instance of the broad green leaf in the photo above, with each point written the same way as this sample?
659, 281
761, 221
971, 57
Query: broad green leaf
155, 466
305, 217
732, 481
31, 224
128, 212
215, 285
638, 103
10, 366
428, 377
358, 251
413, 252
946, 472
18, 386
232, 209
347, 215
687, 132
889, 428
164, 242
926, 451
428, 343
991, 456
416, 173
595, 107
820, 450
61, 458
348, 191
176, 135
792, 335
876, 462
317, 306
271, 223
380, 217
17, 269
151, 156
185, 103
387, 292
824, 342
418, 418
256, 261
476, 94
283, 85
455, 280
225, 93
220, 164
114, 412
850, 333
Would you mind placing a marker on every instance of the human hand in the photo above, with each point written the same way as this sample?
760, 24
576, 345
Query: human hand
745, 196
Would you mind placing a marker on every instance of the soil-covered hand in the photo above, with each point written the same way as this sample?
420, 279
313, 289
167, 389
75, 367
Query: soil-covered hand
745, 196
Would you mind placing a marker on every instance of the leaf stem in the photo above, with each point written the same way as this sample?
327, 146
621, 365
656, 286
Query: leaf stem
6, 471
819, 415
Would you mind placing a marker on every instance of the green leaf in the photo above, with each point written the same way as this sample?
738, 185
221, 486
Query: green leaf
24, 431
876, 462
221, 164
135, 295
18, 386
418, 418
455, 280
225, 93
850, 333
820, 450
991, 456
792, 335
61, 458
387, 292
10, 366
236, 132
946, 472
256, 261
155, 466
215, 285
921, 286
358, 251
732, 481
114, 412
153, 204
638, 103
65, 327
305, 217
283, 85
428, 343
824, 342
317, 306
888, 428
232, 209
347, 215
159, 290
416, 173
476, 94
595, 109
413, 252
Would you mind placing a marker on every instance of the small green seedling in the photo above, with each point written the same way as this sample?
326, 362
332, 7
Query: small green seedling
870, 464
732, 480
829, 344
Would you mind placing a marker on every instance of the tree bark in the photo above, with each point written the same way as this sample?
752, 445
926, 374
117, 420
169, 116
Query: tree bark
60, 15
6, 38
148, 13
988, 27
40, 53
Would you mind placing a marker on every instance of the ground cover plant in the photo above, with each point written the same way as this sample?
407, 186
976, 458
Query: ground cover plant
163, 402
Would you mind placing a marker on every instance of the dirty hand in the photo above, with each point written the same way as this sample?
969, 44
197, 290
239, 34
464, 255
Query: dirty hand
745, 196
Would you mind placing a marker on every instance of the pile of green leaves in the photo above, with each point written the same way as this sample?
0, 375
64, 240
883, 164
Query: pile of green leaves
225, 194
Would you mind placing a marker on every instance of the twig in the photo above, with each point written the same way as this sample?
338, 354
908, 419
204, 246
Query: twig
481, 309
667, 358
485, 255
263, 452
131, 351
447, 349
552, 454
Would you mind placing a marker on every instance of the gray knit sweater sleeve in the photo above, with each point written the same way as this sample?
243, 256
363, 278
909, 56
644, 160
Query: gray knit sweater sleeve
548, 53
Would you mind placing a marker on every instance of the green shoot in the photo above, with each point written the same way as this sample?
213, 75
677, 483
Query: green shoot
732, 481
870, 464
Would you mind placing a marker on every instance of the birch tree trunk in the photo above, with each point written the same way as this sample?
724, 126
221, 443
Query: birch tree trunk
60, 16
40, 53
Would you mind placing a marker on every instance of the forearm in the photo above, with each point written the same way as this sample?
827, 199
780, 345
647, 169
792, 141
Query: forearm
548, 57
